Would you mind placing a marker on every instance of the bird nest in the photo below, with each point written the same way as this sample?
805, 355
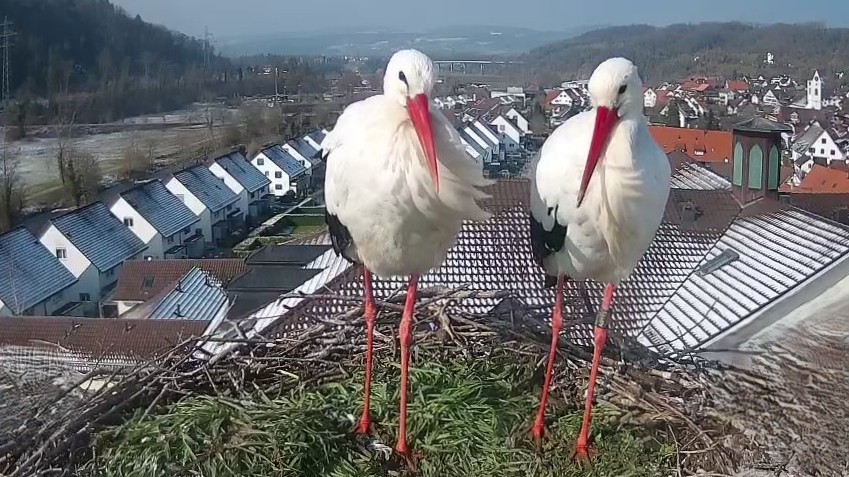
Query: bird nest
286, 407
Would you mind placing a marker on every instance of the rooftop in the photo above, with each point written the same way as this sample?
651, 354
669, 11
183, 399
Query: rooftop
282, 159
759, 124
210, 190
99, 235
29, 273
195, 296
141, 280
701, 145
824, 180
287, 254
165, 212
245, 174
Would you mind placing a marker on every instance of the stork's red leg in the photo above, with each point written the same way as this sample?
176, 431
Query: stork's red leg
370, 315
406, 340
556, 326
602, 323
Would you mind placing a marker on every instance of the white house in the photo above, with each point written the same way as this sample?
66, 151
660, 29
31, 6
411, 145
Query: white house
253, 186
649, 98
818, 144
520, 120
243, 201
92, 244
32, 280
770, 99
159, 219
510, 134
284, 171
209, 198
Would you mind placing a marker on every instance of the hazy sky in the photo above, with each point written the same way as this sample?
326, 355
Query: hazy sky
228, 18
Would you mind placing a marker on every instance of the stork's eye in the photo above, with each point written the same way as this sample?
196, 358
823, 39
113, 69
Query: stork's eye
402, 77
623, 88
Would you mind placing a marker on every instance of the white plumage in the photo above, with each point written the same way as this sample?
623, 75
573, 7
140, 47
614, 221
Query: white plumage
379, 187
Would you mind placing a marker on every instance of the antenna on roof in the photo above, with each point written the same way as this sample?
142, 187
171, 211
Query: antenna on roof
179, 285
179, 312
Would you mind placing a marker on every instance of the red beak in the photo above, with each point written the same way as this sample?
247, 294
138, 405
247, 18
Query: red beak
419, 109
605, 121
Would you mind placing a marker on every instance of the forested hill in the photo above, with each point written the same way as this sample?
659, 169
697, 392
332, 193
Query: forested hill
678, 51
88, 42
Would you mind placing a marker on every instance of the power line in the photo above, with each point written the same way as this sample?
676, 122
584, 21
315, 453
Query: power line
7, 74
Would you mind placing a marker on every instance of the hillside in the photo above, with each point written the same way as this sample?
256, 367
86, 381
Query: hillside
677, 51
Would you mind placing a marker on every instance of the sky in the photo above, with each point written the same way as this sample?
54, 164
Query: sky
235, 18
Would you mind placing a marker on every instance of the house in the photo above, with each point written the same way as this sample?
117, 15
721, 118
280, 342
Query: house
143, 280
32, 280
822, 180
158, 218
770, 98
195, 296
482, 154
246, 181
520, 120
710, 148
819, 145
287, 174
315, 138
737, 87
649, 98
509, 133
93, 245
308, 155
211, 200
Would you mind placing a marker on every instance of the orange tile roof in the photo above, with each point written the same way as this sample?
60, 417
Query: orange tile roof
703, 146
738, 86
824, 180
552, 95
162, 273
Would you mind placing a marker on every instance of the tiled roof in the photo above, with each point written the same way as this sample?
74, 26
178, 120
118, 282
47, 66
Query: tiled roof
141, 280
196, 296
160, 207
824, 180
775, 249
98, 338
703, 146
210, 190
824, 205
245, 174
291, 166
692, 175
305, 149
804, 141
99, 235
29, 273
738, 86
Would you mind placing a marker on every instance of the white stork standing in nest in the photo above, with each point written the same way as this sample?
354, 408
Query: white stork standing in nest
598, 198
399, 185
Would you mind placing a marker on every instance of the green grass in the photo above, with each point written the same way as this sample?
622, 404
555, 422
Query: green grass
467, 418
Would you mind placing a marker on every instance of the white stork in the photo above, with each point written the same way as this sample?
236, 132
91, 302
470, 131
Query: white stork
398, 186
598, 197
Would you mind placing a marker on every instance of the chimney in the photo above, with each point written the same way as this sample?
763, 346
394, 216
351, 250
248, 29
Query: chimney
688, 212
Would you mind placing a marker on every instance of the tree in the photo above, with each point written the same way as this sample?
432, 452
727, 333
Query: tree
83, 175
673, 114
11, 189
709, 122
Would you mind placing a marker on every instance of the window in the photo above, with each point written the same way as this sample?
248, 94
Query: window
198, 231
128, 221
187, 230
832, 152
181, 197
260, 161
756, 167
61, 253
774, 168
266, 173
738, 165
229, 207
823, 140
822, 151
147, 282
171, 239
278, 186
812, 150
85, 297
278, 175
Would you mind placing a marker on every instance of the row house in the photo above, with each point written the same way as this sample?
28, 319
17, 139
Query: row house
159, 219
33, 281
211, 200
287, 174
252, 186
93, 245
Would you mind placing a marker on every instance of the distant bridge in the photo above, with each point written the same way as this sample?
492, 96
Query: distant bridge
472, 66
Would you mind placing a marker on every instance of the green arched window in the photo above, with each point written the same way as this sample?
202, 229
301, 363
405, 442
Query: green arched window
756, 167
738, 165
774, 168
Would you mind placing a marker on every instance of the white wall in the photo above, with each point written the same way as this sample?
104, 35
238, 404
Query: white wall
279, 186
88, 280
4, 310
312, 143
233, 184
143, 229
523, 123
512, 136
649, 98
825, 147
195, 205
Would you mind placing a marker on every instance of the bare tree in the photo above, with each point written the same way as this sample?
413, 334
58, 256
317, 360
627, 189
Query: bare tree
83, 175
12, 189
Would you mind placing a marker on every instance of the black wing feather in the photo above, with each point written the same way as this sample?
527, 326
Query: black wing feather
340, 237
545, 243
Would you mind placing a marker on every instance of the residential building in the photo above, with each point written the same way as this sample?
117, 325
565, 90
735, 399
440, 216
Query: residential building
770, 99
649, 98
32, 280
816, 146
93, 245
143, 280
287, 174
509, 133
247, 181
211, 200
196, 296
520, 120
309, 157
158, 218
710, 148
